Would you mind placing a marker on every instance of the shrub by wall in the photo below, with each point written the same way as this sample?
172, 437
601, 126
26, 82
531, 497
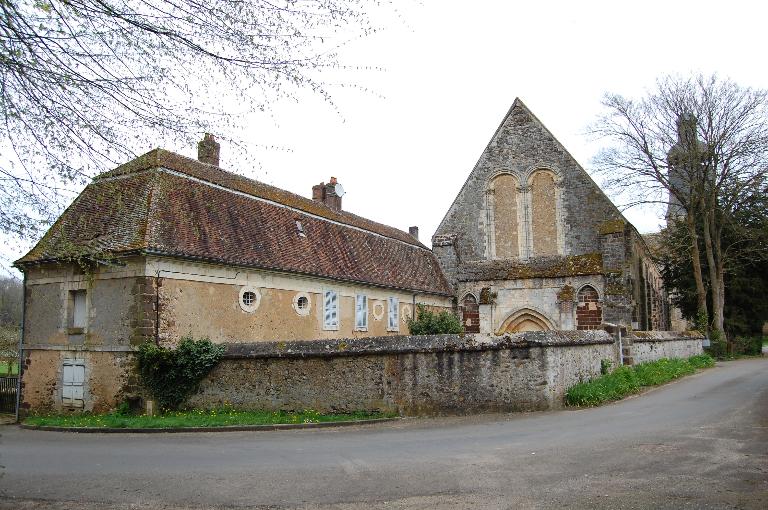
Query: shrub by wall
171, 375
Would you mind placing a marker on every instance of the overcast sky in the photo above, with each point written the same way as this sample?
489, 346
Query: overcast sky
448, 73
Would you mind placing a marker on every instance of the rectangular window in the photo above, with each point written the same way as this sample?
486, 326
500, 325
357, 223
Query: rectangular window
361, 312
393, 314
330, 310
73, 377
79, 316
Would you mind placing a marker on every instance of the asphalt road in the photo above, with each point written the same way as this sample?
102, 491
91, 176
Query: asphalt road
701, 442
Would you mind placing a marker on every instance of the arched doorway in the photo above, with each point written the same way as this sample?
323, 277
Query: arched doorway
470, 314
525, 320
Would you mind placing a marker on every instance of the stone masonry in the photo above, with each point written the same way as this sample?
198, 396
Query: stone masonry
530, 222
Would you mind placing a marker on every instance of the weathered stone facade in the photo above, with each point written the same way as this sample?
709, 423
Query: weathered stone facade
528, 225
160, 299
441, 374
654, 345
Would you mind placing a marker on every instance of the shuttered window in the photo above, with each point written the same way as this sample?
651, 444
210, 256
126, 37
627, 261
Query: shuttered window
78, 309
73, 378
330, 310
361, 312
393, 314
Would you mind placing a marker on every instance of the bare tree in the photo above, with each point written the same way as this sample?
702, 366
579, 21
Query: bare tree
699, 144
85, 82
10, 301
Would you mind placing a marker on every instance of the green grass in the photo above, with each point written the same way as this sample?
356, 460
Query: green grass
7, 368
211, 418
628, 380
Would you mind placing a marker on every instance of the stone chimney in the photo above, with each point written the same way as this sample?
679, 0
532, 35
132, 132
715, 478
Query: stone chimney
208, 150
326, 193
414, 231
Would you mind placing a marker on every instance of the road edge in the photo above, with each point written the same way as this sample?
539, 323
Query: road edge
225, 428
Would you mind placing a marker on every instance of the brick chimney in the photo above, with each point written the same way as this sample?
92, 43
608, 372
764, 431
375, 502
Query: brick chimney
414, 231
208, 150
326, 194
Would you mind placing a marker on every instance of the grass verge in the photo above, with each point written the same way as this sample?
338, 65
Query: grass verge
628, 380
8, 368
211, 418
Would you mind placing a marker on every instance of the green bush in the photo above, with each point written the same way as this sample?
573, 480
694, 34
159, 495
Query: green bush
627, 380
750, 346
431, 323
171, 375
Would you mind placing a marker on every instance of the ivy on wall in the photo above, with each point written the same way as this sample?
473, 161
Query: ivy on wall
172, 375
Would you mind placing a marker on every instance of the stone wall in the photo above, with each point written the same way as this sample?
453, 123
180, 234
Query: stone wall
543, 296
109, 379
568, 223
654, 345
441, 374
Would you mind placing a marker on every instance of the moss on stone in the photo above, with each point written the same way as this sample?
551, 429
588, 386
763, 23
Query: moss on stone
566, 293
612, 227
572, 265
616, 289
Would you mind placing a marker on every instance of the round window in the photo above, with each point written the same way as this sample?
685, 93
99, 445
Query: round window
302, 303
249, 299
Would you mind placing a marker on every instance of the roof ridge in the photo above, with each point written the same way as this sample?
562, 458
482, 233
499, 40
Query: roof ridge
477, 163
162, 158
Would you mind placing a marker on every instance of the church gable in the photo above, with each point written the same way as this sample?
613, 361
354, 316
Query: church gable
526, 197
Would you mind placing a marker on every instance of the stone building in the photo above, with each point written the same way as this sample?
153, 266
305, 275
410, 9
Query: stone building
532, 243
166, 246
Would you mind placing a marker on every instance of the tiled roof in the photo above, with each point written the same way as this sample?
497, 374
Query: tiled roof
167, 204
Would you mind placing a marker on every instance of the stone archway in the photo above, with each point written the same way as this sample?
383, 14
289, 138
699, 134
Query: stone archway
525, 320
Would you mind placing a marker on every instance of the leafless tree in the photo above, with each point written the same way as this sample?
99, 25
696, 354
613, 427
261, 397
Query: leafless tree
699, 144
10, 301
85, 82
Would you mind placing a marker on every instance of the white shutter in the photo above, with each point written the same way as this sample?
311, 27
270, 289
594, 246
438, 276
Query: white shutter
78, 312
330, 310
73, 377
361, 312
67, 379
393, 315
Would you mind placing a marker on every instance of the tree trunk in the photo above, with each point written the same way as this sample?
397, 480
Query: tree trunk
701, 291
717, 231
714, 281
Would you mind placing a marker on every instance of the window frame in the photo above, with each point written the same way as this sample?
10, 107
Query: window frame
75, 312
302, 312
331, 325
241, 299
393, 314
361, 312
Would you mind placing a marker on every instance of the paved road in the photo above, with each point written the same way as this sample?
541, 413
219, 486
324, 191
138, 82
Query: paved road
698, 443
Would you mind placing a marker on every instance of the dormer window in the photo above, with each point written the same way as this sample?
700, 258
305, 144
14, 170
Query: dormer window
300, 229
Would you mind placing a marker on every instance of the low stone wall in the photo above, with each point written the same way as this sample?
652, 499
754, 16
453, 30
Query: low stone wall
654, 345
410, 375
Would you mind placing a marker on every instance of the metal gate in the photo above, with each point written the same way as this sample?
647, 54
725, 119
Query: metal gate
8, 394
